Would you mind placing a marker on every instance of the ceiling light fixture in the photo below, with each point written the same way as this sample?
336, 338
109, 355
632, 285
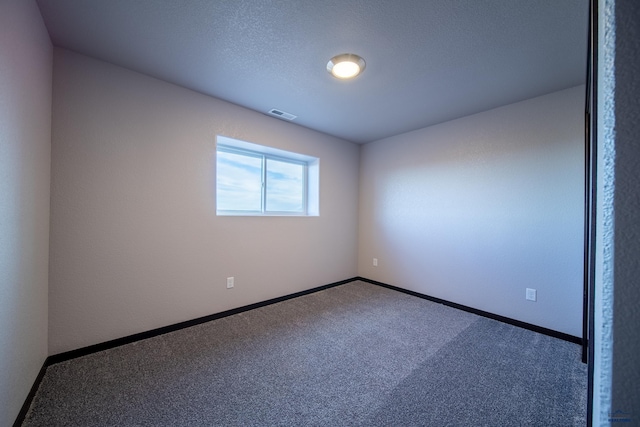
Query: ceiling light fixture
346, 66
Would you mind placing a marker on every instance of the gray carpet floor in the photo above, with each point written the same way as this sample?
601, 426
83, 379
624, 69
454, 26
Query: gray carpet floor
353, 355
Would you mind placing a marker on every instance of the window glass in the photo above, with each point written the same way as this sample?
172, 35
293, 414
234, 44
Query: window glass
239, 182
256, 180
285, 186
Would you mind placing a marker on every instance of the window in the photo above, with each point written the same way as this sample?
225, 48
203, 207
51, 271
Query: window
256, 180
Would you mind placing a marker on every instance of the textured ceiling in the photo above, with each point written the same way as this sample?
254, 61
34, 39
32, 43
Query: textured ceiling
428, 61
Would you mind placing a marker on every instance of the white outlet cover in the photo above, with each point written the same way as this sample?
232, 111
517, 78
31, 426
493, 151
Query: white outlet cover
230, 281
531, 295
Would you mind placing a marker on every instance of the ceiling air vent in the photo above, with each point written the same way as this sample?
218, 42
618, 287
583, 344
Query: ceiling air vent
282, 114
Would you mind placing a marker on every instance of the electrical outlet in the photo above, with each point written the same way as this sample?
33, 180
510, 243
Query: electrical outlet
230, 282
375, 262
531, 294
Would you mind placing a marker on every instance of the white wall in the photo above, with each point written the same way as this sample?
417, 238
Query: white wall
25, 158
135, 242
603, 280
625, 394
617, 295
475, 210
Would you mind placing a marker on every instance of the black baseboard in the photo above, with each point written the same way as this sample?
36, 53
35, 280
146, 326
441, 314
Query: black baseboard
518, 323
61, 357
84, 351
27, 402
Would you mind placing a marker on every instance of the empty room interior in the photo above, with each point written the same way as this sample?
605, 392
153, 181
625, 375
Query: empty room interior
442, 193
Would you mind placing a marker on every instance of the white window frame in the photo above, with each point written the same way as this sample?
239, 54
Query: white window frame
310, 193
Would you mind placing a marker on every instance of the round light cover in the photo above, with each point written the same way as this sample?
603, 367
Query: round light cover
346, 66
